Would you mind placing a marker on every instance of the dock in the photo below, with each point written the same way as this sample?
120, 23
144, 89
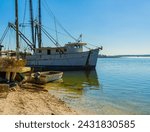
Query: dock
9, 67
11, 72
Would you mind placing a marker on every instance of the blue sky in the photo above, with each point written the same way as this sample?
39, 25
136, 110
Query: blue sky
120, 26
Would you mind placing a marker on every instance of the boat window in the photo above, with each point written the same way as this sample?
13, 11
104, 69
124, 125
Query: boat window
40, 51
65, 50
48, 52
75, 46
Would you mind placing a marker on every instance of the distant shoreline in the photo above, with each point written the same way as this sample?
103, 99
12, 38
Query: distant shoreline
121, 56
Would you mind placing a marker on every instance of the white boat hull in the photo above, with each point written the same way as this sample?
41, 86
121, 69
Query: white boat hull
43, 77
50, 77
66, 61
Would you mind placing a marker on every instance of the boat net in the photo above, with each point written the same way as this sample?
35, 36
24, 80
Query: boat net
11, 62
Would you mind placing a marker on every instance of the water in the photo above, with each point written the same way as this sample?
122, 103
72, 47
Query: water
117, 86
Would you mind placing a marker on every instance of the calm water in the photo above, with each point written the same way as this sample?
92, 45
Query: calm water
117, 86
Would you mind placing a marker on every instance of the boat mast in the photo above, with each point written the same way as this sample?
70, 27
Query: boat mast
17, 28
32, 23
39, 26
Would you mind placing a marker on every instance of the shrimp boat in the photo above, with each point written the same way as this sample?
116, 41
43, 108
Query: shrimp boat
71, 56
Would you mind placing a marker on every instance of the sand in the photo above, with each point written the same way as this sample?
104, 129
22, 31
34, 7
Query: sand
32, 102
35, 100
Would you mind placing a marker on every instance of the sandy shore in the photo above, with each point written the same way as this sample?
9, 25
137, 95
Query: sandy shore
32, 102
38, 101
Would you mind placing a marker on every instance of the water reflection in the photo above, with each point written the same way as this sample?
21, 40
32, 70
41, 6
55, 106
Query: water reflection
124, 87
75, 83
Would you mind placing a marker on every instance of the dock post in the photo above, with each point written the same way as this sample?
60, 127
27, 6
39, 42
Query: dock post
8, 76
13, 76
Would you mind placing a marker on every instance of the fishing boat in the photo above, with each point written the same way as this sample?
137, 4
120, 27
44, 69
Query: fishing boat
71, 56
43, 77
68, 56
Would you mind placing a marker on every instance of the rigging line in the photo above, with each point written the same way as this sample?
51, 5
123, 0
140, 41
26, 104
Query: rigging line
53, 30
22, 36
66, 31
53, 40
11, 40
50, 11
4, 35
87, 47
56, 29
93, 45
24, 16
50, 37
25, 24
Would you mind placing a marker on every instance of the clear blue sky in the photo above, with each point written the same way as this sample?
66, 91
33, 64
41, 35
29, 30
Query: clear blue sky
120, 26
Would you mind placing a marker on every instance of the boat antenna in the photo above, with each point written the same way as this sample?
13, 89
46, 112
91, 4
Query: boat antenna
80, 38
17, 28
39, 27
56, 29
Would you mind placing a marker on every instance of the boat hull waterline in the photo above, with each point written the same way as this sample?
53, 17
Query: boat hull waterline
67, 61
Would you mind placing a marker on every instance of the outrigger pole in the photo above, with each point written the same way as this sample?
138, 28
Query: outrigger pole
39, 27
32, 24
17, 29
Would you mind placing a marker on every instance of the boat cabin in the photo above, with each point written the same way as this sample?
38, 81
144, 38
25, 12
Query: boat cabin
68, 48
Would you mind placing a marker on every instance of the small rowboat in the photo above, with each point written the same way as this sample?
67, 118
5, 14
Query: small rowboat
43, 77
